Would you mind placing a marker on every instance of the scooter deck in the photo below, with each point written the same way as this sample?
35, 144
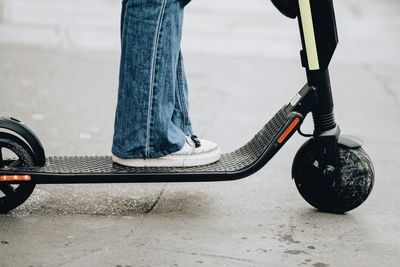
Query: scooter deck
235, 165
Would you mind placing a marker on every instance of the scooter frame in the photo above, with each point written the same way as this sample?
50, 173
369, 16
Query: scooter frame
319, 39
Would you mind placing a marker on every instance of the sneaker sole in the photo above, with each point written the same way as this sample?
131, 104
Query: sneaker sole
172, 160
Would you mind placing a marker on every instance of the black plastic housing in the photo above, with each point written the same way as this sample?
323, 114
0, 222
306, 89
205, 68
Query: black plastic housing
289, 8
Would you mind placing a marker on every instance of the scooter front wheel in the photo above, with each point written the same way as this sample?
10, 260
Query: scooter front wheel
348, 189
14, 153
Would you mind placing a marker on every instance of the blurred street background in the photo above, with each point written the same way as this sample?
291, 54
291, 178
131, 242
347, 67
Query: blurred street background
59, 74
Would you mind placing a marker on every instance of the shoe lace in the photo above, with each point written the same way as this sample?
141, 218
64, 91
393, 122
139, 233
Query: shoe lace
196, 141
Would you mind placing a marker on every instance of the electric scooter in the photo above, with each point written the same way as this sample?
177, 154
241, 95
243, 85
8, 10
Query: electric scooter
331, 171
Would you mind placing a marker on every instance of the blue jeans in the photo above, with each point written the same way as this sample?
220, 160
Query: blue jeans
152, 118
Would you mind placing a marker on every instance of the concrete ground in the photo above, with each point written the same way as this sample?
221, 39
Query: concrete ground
58, 73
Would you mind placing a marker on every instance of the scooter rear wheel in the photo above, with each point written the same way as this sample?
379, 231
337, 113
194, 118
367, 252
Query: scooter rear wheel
12, 194
349, 188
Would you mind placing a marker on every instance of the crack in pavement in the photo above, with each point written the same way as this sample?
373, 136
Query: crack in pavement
125, 236
156, 201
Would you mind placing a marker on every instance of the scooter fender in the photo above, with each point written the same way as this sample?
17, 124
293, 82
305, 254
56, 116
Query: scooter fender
18, 127
350, 141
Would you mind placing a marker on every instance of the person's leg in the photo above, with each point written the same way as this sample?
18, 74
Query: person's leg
152, 125
151, 32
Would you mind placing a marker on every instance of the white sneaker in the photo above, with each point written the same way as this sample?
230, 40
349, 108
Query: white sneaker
195, 152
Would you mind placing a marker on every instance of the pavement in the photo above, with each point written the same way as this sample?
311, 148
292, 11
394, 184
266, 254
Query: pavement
58, 73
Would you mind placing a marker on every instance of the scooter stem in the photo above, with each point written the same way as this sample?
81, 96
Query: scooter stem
319, 40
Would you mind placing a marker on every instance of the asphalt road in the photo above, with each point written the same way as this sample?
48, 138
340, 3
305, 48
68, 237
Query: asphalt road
58, 73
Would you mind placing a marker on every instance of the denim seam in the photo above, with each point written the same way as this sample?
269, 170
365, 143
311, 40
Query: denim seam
180, 90
152, 77
123, 16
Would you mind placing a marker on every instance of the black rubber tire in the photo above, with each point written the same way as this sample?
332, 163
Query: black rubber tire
348, 190
22, 191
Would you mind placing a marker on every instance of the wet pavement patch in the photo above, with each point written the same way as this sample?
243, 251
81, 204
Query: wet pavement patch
294, 252
319, 264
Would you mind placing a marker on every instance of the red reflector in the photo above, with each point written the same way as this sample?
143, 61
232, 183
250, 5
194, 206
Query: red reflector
11, 178
288, 130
